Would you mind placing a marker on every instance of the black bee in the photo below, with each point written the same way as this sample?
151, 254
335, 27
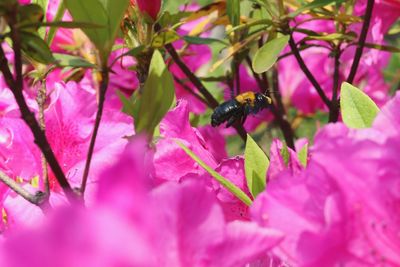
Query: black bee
238, 108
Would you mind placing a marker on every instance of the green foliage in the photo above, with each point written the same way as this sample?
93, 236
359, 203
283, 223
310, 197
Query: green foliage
222, 180
201, 40
314, 4
34, 47
268, 54
233, 11
358, 110
107, 13
44, 4
303, 154
59, 15
64, 60
256, 165
164, 37
157, 97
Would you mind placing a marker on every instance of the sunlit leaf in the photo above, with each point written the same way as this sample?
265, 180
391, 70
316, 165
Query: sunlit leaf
164, 37
268, 54
65, 60
222, 180
312, 5
303, 155
358, 110
157, 97
256, 164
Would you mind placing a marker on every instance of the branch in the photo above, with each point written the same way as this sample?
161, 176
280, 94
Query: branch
334, 110
193, 79
41, 99
361, 41
102, 96
307, 72
38, 199
189, 90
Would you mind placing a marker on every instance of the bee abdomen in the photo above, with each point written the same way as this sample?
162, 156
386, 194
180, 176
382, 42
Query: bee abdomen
223, 112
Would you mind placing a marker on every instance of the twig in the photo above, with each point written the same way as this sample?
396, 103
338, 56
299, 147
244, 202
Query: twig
193, 79
361, 41
307, 72
41, 100
102, 96
236, 74
189, 90
334, 110
37, 199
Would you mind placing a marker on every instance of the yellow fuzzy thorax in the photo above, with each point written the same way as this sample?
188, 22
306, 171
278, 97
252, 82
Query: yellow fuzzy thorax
247, 97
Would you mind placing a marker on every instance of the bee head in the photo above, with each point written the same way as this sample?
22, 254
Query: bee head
263, 99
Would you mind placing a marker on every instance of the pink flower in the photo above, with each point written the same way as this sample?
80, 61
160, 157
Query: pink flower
170, 161
150, 7
134, 225
344, 207
69, 124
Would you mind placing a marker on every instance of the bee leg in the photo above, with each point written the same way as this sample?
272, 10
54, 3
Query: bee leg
246, 111
243, 120
231, 121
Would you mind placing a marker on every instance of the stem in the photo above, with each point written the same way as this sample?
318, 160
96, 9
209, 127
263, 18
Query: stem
307, 72
41, 99
361, 41
236, 74
37, 199
193, 79
334, 110
29, 118
212, 102
102, 96
189, 90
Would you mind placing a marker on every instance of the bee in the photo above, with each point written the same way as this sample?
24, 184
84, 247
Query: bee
238, 108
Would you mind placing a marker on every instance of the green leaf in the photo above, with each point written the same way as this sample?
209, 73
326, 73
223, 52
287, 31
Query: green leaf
233, 11
99, 12
332, 37
94, 12
222, 180
200, 40
115, 10
65, 60
312, 5
256, 164
358, 110
61, 24
59, 15
268, 54
164, 37
387, 48
285, 154
128, 104
157, 97
303, 154
44, 4
172, 6
36, 48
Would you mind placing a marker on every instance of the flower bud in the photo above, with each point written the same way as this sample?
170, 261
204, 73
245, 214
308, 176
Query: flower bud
151, 7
